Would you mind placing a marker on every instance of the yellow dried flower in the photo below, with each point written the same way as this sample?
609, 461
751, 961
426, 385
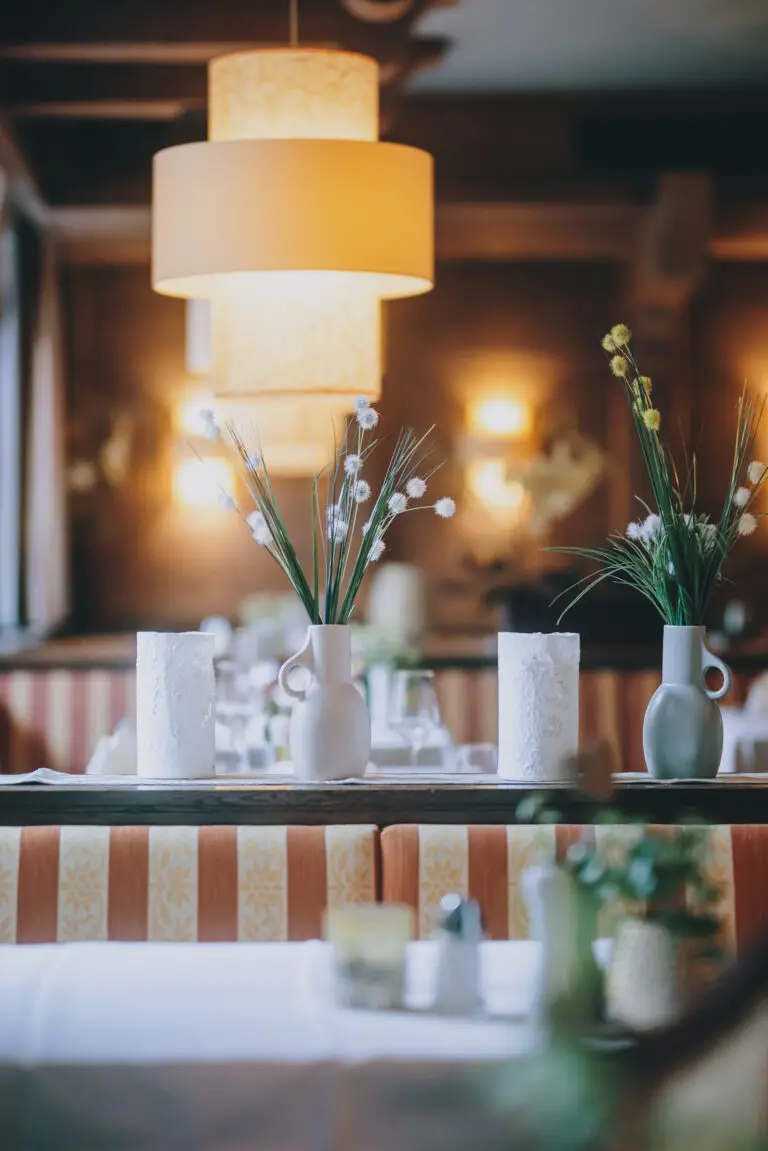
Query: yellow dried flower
645, 384
652, 419
609, 344
620, 334
620, 366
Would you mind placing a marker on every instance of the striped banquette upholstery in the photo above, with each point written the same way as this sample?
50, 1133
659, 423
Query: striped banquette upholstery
611, 708
62, 884
54, 718
420, 863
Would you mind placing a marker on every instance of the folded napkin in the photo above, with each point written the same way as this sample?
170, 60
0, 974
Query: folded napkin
115, 754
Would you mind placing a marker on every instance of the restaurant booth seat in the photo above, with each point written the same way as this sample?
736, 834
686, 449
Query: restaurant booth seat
421, 862
180, 884
270, 884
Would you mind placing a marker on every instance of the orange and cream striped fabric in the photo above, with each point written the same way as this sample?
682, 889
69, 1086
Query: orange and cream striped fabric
181, 884
611, 708
54, 718
421, 863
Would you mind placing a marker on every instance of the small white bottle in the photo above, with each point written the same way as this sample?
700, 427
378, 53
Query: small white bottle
457, 983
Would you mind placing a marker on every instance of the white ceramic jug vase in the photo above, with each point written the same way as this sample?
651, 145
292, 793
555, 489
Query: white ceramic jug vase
683, 728
330, 730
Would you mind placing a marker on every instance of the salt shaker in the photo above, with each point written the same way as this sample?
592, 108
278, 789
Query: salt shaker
457, 990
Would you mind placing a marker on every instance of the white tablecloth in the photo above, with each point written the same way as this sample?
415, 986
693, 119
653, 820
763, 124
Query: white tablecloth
149, 1002
164, 1045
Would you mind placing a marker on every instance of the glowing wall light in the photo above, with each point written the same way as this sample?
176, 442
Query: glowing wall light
199, 483
188, 416
488, 483
501, 417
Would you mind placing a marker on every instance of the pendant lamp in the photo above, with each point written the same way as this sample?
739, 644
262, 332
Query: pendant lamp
298, 436
296, 222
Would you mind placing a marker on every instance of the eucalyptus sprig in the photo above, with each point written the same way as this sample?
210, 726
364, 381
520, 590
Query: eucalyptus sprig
339, 550
676, 554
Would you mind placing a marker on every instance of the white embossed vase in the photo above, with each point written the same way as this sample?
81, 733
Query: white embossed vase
330, 730
538, 704
683, 728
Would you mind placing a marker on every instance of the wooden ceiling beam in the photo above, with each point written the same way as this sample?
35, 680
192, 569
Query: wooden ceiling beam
95, 30
29, 84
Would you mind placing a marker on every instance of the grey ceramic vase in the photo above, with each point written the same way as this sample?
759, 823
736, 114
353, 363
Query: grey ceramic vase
683, 728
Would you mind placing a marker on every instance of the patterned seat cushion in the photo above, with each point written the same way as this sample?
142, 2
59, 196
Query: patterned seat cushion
60, 884
421, 863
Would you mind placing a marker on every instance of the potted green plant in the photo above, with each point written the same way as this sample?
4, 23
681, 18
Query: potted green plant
674, 557
330, 730
655, 887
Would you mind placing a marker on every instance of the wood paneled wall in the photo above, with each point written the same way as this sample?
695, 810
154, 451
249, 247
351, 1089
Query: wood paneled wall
140, 560
728, 336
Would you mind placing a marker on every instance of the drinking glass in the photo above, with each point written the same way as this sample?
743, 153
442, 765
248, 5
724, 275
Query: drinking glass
234, 709
413, 709
476, 759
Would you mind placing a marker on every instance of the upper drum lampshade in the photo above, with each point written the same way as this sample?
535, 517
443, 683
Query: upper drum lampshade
295, 220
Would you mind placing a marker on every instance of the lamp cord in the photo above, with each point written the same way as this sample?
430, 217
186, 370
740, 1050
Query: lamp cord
294, 23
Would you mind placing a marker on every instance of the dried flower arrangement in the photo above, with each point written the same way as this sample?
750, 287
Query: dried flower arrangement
676, 554
338, 549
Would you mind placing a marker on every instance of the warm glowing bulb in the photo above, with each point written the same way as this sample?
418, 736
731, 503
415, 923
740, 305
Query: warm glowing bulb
200, 483
189, 414
500, 416
490, 486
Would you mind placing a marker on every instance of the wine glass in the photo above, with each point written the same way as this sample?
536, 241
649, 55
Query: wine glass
413, 709
234, 709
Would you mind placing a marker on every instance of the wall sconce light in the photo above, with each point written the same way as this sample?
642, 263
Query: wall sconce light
500, 417
489, 484
188, 414
199, 483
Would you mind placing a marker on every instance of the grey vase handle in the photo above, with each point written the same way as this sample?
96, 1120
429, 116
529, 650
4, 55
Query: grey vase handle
709, 660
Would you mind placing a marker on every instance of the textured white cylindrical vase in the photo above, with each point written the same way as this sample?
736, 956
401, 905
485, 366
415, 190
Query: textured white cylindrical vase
175, 705
538, 704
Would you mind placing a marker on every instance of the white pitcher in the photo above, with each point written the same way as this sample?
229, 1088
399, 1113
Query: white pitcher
330, 731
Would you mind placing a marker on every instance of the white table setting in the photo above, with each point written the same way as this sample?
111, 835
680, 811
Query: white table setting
176, 1045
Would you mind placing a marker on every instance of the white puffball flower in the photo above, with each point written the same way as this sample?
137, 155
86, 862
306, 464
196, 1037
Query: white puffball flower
263, 536
445, 508
256, 521
755, 472
741, 497
226, 503
211, 429
367, 418
361, 402
353, 464
397, 503
377, 551
254, 461
337, 530
634, 531
361, 492
366, 527
747, 524
416, 488
650, 529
